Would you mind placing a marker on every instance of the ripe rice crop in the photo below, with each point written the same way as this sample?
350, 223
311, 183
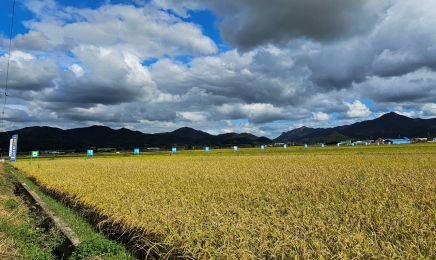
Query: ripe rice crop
366, 202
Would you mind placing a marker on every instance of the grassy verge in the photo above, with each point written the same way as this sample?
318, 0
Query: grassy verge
93, 245
20, 235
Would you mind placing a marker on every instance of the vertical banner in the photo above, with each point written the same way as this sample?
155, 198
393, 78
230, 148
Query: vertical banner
206, 149
11, 141
322, 145
262, 147
284, 146
305, 146
235, 148
90, 153
136, 151
174, 150
13, 148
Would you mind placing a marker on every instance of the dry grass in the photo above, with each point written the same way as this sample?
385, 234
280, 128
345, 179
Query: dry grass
8, 247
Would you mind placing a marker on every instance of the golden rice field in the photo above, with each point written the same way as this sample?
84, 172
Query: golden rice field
341, 203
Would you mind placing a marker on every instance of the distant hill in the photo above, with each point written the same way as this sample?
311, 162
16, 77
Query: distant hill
390, 125
334, 138
187, 132
50, 138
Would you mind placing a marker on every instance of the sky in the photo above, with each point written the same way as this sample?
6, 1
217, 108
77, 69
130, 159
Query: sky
257, 66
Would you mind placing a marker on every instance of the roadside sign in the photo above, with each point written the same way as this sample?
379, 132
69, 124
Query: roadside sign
35, 154
13, 148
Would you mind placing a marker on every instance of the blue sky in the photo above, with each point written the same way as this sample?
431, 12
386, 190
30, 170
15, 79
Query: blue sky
218, 66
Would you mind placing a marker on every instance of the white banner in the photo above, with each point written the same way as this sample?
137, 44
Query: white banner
10, 146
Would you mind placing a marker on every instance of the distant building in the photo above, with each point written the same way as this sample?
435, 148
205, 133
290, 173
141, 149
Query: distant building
418, 139
380, 141
361, 143
106, 149
52, 152
348, 142
404, 140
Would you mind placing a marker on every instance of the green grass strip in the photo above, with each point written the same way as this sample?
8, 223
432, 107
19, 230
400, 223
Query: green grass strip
20, 236
92, 243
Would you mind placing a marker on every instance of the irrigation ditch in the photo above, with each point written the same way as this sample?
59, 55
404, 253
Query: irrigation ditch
49, 220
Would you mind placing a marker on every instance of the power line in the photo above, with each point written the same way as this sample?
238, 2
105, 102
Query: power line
7, 69
9, 60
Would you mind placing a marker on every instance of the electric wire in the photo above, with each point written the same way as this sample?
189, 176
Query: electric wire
9, 60
8, 65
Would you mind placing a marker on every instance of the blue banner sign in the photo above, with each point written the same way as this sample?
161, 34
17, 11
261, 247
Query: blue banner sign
174, 150
136, 151
305, 146
90, 153
284, 146
235, 148
207, 149
262, 147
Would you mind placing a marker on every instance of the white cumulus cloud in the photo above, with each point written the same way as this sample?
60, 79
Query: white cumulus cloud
357, 109
320, 116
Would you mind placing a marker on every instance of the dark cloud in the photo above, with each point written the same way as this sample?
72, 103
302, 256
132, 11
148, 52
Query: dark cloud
259, 22
34, 41
250, 23
18, 115
398, 97
339, 66
98, 115
86, 90
26, 73
402, 62
416, 89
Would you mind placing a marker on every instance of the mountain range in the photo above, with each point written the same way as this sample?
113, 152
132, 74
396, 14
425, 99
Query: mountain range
50, 138
389, 125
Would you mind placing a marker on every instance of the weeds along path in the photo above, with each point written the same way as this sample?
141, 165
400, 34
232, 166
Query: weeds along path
48, 234
21, 236
248, 205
